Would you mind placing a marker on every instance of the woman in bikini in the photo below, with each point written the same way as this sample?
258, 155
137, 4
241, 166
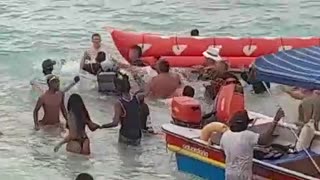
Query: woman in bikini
77, 139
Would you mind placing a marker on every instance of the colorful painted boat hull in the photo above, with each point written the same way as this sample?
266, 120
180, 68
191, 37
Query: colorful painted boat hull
197, 158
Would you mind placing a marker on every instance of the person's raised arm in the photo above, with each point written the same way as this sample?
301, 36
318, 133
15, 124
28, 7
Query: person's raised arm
116, 116
36, 111
266, 137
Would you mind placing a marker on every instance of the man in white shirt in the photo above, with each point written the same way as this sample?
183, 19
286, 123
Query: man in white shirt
238, 143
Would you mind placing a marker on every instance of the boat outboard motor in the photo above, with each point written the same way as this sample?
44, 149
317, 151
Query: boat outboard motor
107, 78
186, 112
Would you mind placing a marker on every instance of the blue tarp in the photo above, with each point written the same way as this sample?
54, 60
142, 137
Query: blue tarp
296, 67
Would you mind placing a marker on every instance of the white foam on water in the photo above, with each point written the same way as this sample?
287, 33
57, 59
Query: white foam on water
70, 67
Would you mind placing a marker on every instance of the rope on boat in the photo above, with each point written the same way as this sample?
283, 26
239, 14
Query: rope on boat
292, 130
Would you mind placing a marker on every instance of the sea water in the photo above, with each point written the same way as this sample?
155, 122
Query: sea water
34, 30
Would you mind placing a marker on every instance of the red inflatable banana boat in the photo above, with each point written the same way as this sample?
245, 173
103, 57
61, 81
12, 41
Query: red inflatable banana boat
187, 51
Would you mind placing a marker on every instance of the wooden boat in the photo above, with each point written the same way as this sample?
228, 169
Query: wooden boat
196, 157
187, 51
296, 67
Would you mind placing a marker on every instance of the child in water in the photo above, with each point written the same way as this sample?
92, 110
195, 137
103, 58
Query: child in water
78, 118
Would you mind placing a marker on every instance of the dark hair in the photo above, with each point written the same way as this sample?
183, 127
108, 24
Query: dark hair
194, 32
138, 49
101, 56
95, 35
84, 176
47, 71
188, 91
239, 121
163, 66
122, 83
79, 110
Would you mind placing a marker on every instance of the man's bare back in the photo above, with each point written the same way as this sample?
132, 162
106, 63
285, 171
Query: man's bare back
164, 85
51, 103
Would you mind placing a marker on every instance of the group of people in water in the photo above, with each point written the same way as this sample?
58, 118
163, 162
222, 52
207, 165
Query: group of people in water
132, 113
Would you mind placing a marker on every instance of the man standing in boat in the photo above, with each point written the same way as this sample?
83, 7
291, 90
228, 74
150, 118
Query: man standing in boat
238, 143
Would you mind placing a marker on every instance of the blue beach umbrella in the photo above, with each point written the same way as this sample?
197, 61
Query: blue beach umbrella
295, 67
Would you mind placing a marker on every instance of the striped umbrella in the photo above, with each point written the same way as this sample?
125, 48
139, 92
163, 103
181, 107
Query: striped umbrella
295, 67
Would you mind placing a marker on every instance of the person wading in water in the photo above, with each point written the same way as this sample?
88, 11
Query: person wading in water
165, 85
52, 102
78, 119
127, 114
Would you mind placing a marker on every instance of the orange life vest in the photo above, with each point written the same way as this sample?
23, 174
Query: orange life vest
228, 102
186, 111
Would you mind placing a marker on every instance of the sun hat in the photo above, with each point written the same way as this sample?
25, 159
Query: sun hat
212, 53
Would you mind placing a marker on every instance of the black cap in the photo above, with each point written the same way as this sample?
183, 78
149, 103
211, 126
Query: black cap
48, 63
240, 117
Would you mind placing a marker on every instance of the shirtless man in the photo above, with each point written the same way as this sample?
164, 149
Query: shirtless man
52, 102
165, 84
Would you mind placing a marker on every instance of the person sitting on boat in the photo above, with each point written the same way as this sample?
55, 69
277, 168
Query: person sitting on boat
238, 144
194, 32
78, 119
127, 114
52, 102
165, 85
